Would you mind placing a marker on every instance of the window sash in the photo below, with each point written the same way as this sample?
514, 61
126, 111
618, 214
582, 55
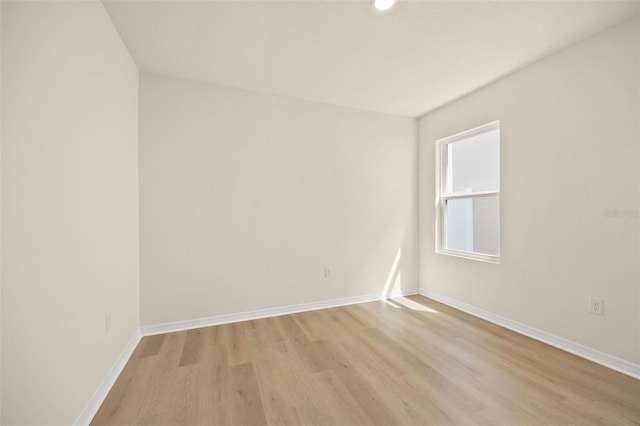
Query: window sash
442, 225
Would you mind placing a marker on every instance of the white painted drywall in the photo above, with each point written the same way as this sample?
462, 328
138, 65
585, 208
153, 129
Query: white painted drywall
569, 150
245, 198
69, 206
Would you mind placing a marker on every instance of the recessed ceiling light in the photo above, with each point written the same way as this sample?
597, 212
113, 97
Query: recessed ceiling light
383, 4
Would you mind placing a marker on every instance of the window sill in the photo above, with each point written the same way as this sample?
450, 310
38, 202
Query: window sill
469, 255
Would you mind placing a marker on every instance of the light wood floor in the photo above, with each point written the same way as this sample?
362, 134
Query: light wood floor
373, 363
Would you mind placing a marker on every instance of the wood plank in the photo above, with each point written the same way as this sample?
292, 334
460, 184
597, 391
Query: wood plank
371, 395
338, 399
149, 346
184, 407
272, 376
312, 357
246, 402
121, 406
213, 382
192, 348
291, 329
237, 349
155, 401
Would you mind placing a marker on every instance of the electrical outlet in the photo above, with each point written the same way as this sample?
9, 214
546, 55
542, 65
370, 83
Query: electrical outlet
107, 320
328, 272
596, 306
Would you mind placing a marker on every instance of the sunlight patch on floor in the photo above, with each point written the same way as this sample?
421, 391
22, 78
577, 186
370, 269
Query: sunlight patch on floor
408, 303
390, 303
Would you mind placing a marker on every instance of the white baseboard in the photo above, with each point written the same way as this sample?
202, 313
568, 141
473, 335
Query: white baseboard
94, 403
171, 327
610, 361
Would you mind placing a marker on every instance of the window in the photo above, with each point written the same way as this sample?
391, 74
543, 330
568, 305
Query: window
468, 194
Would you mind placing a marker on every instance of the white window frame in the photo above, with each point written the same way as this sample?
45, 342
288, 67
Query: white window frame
442, 197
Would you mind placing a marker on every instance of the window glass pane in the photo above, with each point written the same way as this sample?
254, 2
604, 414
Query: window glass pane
473, 225
473, 164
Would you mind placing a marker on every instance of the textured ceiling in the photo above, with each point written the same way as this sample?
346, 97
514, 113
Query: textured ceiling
411, 60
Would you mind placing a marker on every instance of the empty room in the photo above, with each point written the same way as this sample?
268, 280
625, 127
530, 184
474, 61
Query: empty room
319, 212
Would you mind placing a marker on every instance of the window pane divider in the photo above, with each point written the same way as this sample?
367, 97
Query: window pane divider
460, 195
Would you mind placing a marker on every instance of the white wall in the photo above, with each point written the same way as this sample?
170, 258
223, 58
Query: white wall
245, 198
69, 206
569, 151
